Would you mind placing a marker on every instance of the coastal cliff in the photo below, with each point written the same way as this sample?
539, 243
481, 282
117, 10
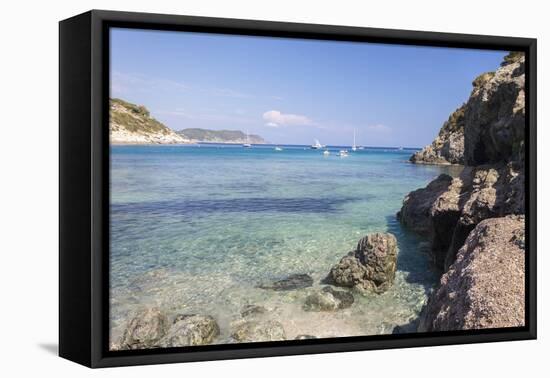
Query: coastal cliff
448, 146
133, 124
470, 219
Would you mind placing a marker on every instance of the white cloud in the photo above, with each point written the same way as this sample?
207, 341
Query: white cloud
379, 128
275, 118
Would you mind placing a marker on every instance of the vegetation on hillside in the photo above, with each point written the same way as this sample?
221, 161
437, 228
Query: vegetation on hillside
134, 118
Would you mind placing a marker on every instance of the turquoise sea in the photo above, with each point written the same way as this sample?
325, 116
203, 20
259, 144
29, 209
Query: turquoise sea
195, 229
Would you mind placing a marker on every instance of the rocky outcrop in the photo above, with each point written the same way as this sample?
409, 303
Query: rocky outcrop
133, 124
144, 330
485, 285
473, 220
255, 331
490, 126
371, 267
448, 147
188, 330
328, 299
292, 282
494, 116
449, 208
415, 212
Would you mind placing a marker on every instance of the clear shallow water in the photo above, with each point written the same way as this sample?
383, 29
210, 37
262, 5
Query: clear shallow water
196, 229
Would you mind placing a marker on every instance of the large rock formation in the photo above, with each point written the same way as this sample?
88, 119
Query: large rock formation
471, 218
448, 147
494, 116
490, 126
485, 286
371, 267
133, 124
416, 209
448, 209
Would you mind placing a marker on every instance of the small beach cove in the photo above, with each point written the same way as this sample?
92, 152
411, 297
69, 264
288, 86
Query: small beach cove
196, 230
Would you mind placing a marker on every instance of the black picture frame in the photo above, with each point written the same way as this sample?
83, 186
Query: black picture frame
84, 187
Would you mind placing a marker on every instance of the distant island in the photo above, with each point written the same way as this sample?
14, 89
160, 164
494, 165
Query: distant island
133, 124
220, 136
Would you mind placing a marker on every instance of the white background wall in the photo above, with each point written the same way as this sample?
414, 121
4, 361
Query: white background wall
29, 174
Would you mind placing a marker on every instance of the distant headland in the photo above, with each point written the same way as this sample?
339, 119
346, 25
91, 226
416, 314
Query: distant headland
133, 124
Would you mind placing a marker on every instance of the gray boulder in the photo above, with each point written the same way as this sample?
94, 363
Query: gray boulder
188, 330
371, 267
256, 331
328, 299
144, 330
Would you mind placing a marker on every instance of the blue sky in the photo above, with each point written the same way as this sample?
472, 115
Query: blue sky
292, 91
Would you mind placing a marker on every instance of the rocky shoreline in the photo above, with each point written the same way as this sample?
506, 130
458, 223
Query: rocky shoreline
475, 222
370, 268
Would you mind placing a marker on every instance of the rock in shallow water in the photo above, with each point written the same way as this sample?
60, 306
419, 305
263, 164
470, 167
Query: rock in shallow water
144, 330
250, 310
328, 299
371, 267
189, 330
256, 331
292, 282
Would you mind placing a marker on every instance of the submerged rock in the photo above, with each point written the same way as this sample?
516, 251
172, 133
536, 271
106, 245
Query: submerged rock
292, 282
485, 286
256, 331
328, 299
250, 310
188, 330
144, 330
371, 267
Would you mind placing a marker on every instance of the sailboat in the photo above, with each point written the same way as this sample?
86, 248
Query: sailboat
354, 147
247, 144
316, 145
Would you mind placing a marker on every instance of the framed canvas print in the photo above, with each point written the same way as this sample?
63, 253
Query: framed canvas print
234, 188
